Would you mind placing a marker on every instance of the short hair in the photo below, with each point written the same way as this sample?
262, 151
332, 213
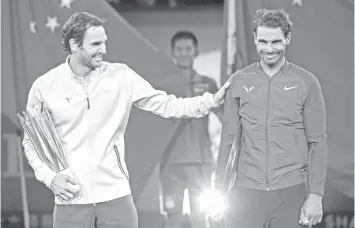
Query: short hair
276, 18
76, 26
183, 35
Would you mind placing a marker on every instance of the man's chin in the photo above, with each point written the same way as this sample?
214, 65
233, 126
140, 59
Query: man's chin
184, 66
271, 63
96, 64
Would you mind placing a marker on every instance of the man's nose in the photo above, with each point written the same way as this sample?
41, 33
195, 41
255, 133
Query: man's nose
102, 49
268, 48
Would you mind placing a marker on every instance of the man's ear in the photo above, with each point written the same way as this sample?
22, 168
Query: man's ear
74, 46
288, 38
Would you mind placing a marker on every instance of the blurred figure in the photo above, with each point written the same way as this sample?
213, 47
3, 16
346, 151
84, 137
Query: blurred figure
191, 163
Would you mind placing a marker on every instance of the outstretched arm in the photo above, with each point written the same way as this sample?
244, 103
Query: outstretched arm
145, 97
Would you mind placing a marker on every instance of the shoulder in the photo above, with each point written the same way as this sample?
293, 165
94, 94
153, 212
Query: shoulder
246, 71
304, 75
114, 67
46, 80
119, 71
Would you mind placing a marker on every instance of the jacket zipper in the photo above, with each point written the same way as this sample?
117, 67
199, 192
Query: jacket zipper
266, 136
119, 162
88, 107
86, 93
88, 101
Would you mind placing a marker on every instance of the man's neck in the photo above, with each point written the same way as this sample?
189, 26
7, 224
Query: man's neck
77, 68
271, 71
189, 72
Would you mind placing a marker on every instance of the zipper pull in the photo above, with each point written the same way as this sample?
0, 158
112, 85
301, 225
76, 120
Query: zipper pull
88, 101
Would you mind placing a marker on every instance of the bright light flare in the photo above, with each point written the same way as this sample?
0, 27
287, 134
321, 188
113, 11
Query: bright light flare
212, 203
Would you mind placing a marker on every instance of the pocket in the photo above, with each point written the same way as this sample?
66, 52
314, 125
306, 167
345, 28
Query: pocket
120, 163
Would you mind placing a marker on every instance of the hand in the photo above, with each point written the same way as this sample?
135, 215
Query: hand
312, 211
64, 187
219, 96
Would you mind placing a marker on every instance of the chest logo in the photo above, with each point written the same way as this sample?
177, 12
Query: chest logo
288, 88
68, 99
248, 89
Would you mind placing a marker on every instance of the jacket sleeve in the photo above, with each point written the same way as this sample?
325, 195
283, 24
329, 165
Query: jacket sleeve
230, 123
217, 110
145, 97
314, 117
42, 172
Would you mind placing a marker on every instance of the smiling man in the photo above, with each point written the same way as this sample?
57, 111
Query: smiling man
278, 109
90, 102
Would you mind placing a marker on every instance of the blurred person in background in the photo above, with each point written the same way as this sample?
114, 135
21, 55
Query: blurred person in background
191, 162
277, 110
90, 102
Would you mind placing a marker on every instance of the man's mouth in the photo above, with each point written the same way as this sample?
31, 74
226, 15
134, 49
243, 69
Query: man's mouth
98, 58
271, 55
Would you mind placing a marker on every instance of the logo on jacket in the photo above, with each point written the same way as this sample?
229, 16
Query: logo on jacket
288, 88
248, 89
68, 99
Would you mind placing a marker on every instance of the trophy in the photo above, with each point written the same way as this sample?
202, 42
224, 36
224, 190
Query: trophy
231, 167
220, 188
41, 131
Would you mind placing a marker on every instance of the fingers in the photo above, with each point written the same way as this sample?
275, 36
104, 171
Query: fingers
219, 96
66, 195
226, 85
72, 187
313, 221
301, 217
70, 179
63, 197
320, 218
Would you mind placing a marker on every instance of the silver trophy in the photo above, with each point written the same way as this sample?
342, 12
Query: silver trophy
44, 137
40, 130
231, 167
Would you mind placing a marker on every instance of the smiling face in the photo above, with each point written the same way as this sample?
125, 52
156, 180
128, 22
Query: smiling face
271, 44
93, 47
184, 52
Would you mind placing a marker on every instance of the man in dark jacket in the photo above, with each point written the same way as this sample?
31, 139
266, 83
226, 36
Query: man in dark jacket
190, 163
282, 156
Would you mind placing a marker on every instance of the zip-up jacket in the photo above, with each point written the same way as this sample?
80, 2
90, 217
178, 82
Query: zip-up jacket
193, 146
283, 129
91, 114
